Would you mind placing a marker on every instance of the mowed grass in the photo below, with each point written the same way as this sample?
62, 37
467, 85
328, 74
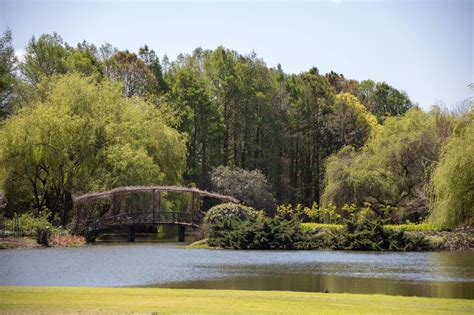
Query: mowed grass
61, 300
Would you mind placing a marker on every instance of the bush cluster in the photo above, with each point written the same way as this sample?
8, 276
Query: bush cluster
250, 187
261, 232
371, 235
27, 224
329, 214
409, 227
37, 225
229, 211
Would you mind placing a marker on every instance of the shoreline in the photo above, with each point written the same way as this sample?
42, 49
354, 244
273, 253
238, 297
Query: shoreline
40, 299
458, 241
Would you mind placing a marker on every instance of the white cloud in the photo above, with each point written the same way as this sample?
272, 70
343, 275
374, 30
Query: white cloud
20, 54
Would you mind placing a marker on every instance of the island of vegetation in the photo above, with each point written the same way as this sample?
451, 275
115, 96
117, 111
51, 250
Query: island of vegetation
317, 160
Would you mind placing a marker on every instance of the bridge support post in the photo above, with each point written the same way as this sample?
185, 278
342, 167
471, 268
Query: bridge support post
181, 233
131, 234
156, 202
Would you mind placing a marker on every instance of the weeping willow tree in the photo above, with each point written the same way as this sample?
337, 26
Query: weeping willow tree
453, 179
79, 135
392, 172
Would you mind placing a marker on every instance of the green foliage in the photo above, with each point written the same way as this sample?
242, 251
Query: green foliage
7, 72
229, 211
138, 78
290, 212
383, 100
44, 57
274, 233
49, 55
199, 118
452, 180
261, 233
350, 122
82, 136
308, 226
250, 187
300, 212
26, 224
392, 172
309, 134
328, 215
411, 227
314, 137
371, 235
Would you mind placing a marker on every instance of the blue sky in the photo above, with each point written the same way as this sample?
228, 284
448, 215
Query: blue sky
423, 47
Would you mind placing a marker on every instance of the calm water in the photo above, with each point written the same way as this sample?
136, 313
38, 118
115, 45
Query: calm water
442, 274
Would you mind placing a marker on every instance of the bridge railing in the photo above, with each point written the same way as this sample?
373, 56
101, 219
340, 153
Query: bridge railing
140, 218
140, 205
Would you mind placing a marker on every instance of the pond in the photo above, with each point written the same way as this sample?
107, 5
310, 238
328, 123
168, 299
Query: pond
432, 274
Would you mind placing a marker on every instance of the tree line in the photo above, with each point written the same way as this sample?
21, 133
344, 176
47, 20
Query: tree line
81, 118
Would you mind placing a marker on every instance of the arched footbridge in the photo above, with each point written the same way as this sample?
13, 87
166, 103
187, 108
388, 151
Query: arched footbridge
135, 207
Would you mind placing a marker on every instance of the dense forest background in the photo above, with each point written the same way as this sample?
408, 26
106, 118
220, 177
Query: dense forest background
82, 118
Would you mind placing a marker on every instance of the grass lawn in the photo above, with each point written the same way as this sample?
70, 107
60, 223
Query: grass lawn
23, 300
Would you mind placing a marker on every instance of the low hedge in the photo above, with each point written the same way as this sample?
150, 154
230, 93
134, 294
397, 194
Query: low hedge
274, 233
411, 227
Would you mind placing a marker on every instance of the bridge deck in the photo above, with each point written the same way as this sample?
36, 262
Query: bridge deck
138, 219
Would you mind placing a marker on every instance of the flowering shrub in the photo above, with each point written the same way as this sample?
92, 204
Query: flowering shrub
66, 240
230, 211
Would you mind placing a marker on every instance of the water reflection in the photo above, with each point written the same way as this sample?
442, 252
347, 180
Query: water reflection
441, 274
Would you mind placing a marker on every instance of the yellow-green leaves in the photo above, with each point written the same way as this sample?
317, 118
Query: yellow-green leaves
351, 123
82, 135
453, 179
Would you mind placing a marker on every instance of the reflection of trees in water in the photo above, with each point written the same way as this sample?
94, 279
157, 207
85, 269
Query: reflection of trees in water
314, 279
451, 268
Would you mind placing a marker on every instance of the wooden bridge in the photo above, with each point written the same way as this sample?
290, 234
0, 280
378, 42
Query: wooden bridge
136, 207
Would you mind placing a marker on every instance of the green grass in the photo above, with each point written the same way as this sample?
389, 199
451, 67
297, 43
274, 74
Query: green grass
202, 244
400, 227
312, 225
421, 227
172, 301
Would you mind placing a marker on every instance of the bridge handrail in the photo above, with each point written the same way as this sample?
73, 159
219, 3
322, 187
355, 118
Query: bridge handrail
94, 196
142, 215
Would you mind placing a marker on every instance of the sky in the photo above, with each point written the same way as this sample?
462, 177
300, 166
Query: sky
425, 48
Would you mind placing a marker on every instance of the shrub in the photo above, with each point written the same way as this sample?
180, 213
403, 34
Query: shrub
66, 240
274, 233
421, 227
371, 235
290, 212
229, 211
250, 187
308, 226
315, 214
28, 223
261, 233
